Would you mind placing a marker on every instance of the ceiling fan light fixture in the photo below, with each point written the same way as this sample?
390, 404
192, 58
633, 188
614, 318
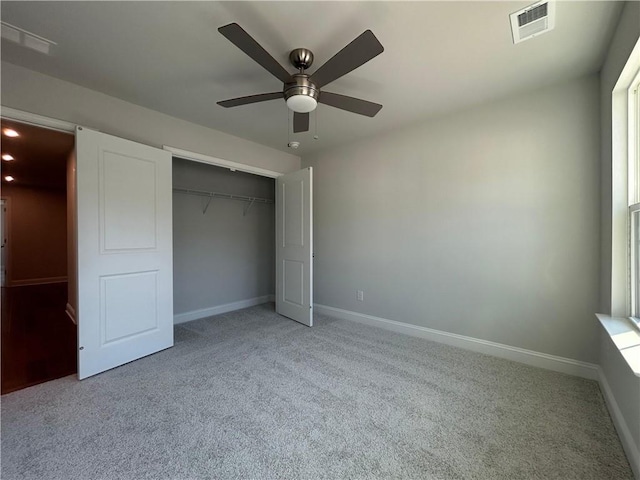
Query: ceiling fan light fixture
300, 90
302, 103
301, 94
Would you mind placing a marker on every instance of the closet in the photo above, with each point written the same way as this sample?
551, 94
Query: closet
223, 239
141, 214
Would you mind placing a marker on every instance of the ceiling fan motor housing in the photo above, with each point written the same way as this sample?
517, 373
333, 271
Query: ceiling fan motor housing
305, 92
301, 58
300, 85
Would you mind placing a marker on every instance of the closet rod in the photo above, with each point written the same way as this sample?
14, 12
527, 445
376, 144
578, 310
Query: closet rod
211, 195
223, 195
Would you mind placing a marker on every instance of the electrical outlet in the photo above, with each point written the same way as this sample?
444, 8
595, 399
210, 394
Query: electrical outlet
360, 296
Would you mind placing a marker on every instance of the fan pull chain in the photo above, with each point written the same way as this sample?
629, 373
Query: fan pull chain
315, 124
291, 143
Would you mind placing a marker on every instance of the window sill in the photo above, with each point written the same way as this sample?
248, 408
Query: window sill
626, 338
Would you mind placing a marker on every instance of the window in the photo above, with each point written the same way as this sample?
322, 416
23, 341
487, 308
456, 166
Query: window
633, 96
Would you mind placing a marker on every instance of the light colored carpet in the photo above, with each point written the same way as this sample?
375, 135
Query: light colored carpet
253, 395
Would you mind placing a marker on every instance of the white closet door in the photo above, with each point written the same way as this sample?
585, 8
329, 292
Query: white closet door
294, 246
125, 270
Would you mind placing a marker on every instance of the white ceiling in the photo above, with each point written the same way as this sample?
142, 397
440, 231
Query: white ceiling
439, 57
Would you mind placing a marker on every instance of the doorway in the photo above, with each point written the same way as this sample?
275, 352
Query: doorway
223, 239
281, 237
39, 339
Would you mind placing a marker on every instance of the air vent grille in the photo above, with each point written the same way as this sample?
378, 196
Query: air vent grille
26, 38
532, 15
532, 21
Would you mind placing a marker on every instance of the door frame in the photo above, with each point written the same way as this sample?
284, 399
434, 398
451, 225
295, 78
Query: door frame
49, 123
219, 162
37, 120
6, 235
234, 166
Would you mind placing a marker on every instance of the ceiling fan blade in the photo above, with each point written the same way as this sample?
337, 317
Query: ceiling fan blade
262, 97
300, 122
357, 53
350, 104
241, 39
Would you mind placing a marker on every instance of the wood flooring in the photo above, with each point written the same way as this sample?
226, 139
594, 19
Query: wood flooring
39, 341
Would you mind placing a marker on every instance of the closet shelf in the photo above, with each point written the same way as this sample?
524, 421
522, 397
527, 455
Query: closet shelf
228, 196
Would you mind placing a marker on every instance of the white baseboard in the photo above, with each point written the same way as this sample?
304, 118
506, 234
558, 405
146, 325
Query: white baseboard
528, 357
217, 310
628, 443
36, 281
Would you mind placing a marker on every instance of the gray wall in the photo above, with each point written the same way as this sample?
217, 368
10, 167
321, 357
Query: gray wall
625, 386
222, 256
482, 223
34, 92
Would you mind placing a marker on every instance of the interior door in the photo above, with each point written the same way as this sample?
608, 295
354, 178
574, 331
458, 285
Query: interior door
125, 267
294, 246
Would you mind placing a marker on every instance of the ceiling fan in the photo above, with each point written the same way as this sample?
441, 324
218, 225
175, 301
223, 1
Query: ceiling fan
302, 91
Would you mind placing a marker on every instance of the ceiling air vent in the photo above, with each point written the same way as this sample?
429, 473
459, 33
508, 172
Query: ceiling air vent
26, 38
532, 21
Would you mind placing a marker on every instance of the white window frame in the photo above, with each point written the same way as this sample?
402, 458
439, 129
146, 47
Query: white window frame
633, 97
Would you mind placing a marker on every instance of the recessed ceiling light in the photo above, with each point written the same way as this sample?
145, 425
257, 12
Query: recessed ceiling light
7, 157
10, 133
9, 178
